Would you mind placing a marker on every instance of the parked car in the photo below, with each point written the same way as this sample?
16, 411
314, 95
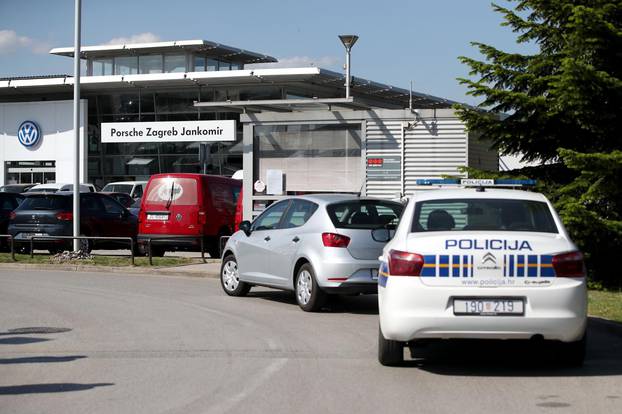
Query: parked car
313, 245
54, 187
134, 188
43, 214
481, 263
135, 207
8, 203
16, 188
123, 198
178, 205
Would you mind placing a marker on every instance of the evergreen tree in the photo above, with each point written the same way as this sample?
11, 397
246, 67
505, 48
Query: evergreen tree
561, 105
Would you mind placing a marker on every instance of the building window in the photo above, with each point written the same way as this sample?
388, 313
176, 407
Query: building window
224, 65
102, 67
126, 65
315, 157
237, 66
150, 64
211, 65
199, 63
174, 63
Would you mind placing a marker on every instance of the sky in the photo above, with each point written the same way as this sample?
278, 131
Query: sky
400, 40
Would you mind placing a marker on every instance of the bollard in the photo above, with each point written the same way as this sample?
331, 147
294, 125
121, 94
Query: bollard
203, 250
149, 251
12, 245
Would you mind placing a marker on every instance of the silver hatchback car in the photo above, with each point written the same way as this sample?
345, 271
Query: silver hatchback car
314, 245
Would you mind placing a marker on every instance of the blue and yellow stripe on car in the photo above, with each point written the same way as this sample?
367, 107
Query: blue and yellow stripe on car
383, 274
532, 265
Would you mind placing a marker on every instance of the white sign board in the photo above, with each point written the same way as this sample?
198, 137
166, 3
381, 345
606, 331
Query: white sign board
170, 131
275, 182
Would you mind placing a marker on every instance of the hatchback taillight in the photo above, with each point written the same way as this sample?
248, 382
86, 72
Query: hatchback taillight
569, 265
405, 263
12, 215
335, 240
64, 216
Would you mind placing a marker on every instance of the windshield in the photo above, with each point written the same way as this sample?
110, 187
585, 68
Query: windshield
45, 202
483, 214
172, 191
118, 188
364, 214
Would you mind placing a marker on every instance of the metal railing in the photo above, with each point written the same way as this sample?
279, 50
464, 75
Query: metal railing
130, 240
11, 244
159, 240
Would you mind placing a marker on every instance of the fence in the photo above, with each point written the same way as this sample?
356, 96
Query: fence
11, 244
130, 240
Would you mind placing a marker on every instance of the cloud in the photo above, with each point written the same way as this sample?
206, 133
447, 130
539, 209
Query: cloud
297, 62
10, 41
146, 37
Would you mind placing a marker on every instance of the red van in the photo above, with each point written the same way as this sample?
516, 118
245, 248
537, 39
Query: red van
177, 205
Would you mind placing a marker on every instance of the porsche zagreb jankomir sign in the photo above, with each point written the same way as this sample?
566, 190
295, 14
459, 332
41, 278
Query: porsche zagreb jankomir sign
177, 131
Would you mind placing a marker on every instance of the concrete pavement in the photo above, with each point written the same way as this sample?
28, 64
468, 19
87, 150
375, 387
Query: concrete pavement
73, 342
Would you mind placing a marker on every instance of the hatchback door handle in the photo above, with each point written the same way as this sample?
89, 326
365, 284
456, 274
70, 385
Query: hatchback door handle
267, 238
296, 239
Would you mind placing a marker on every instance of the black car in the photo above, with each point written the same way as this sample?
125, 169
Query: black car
8, 203
16, 188
42, 214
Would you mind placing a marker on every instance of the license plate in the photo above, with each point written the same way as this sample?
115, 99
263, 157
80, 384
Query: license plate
157, 217
374, 274
29, 235
489, 306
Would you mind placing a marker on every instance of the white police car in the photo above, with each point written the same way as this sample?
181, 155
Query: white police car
480, 263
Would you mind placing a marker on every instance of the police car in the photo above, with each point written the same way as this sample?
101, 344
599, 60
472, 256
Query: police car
480, 262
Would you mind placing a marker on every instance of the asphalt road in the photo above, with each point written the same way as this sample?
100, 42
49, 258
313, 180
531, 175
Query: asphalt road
107, 343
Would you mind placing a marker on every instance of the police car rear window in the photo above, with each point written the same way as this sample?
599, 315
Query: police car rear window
483, 214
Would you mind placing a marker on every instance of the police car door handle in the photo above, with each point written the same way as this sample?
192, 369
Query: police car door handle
267, 238
296, 239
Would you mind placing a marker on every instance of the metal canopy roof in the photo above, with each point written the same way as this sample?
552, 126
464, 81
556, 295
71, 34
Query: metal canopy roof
217, 50
283, 105
366, 93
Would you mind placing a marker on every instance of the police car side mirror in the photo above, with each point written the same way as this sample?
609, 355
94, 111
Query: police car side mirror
245, 226
382, 235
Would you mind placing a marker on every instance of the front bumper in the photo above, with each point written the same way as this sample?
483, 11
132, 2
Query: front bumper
410, 310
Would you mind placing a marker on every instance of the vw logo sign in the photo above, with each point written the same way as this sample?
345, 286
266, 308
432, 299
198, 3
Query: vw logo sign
28, 133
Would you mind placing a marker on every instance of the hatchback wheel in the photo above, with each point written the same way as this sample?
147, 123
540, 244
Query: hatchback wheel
390, 353
230, 278
309, 296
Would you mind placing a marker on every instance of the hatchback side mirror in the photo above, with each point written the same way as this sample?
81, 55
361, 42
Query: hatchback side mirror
382, 235
245, 226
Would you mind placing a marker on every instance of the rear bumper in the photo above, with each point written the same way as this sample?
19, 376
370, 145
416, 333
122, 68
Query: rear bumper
410, 310
345, 275
172, 241
17, 230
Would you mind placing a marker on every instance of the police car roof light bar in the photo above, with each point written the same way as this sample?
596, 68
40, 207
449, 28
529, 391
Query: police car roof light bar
475, 182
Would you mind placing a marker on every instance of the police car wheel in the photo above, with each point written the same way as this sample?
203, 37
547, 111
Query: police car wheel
573, 353
309, 296
390, 353
230, 278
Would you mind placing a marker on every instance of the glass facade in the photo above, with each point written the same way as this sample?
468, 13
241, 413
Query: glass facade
138, 161
157, 63
312, 157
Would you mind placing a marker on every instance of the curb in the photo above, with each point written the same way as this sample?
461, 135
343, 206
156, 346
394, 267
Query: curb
160, 271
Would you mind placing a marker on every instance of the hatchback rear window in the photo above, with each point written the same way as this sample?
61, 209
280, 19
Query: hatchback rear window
364, 214
483, 214
46, 202
172, 191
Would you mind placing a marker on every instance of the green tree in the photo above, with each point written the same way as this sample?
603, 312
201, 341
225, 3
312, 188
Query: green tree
560, 106
567, 95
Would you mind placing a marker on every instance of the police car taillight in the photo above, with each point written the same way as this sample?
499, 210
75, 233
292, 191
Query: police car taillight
405, 263
569, 265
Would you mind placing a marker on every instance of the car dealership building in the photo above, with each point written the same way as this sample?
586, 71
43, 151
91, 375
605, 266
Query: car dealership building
200, 106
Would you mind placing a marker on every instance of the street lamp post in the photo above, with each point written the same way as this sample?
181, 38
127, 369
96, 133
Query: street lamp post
76, 126
348, 42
